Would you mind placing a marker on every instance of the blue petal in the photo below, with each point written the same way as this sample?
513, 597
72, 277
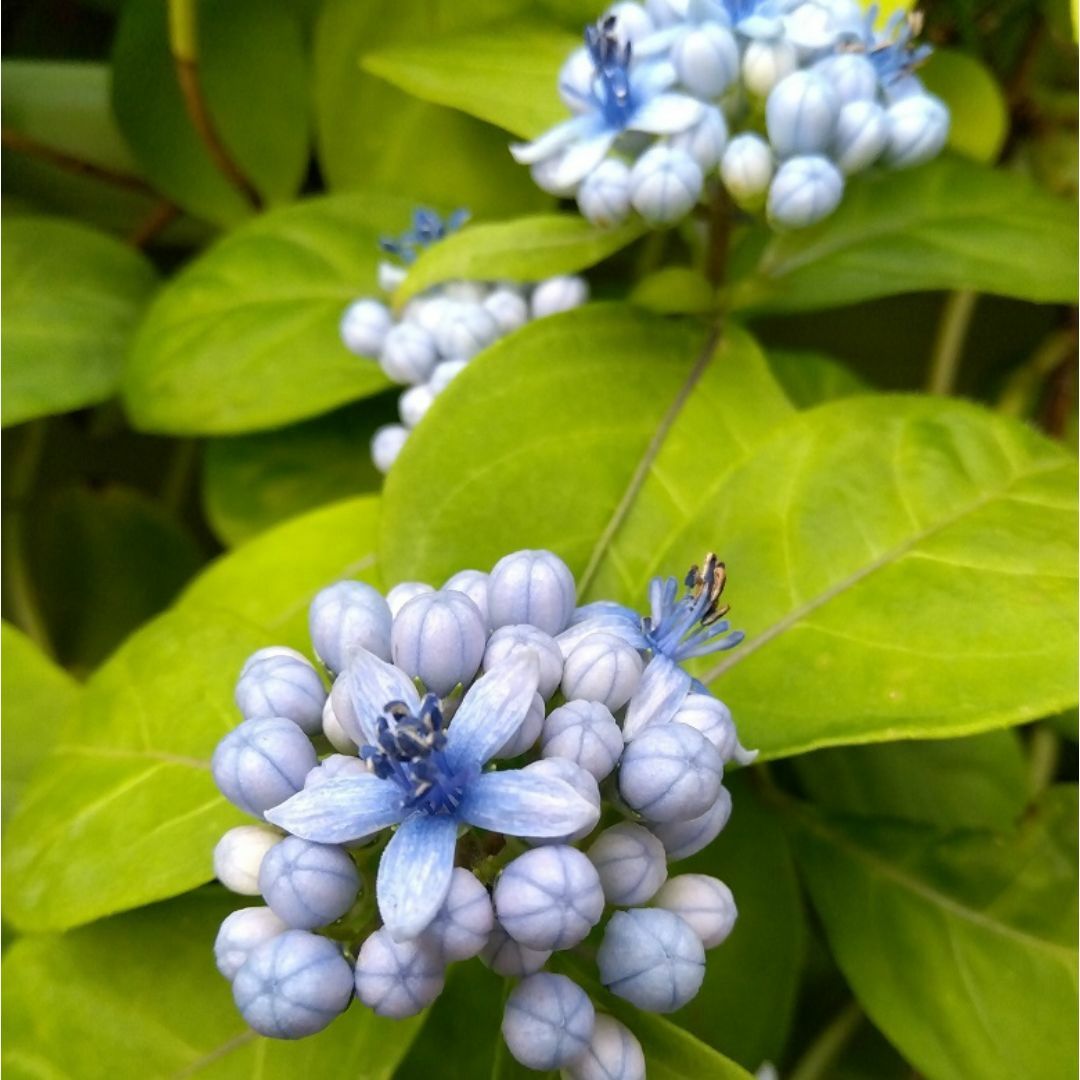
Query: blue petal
663, 687
554, 141
667, 114
518, 803
373, 684
581, 158
341, 810
414, 873
492, 711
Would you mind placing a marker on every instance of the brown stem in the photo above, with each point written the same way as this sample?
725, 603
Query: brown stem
716, 255
160, 217
24, 144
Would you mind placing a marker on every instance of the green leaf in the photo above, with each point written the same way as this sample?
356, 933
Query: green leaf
251, 70
675, 290
97, 1003
507, 75
811, 378
252, 482
124, 811
246, 336
71, 302
36, 697
979, 115
977, 783
374, 136
527, 249
947, 225
588, 431
961, 949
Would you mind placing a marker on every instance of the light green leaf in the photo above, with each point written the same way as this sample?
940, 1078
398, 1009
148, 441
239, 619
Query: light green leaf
36, 697
138, 996
947, 225
527, 249
246, 336
71, 299
961, 949
124, 811
978, 782
979, 115
507, 75
587, 433
811, 378
675, 290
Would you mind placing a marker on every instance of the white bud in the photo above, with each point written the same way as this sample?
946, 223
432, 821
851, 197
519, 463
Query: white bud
391, 276
804, 191
604, 195
525, 737
631, 862
386, 444
444, 374
704, 902
508, 308
364, 327
918, 130
414, 404
665, 184
465, 330
747, 169
706, 58
428, 312
547, 174
239, 854
558, 294
474, 584
765, 63
401, 594
800, 114
333, 730
509, 641
409, 353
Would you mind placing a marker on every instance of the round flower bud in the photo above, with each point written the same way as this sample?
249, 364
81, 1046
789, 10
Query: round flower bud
547, 177
765, 63
439, 637
390, 276
549, 898
862, 131
269, 652
293, 985
398, 978
444, 374
584, 783
586, 733
681, 839
241, 934
705, 141
800, 114
665, 184
804, 191
465, 330
509, 641
364, 327
651, 958
308, 885
713, 719
534, 587
614, 1054
704, 902
465, 921
334, 732
631, 863
747, 169
401, 594
706, 59
851, 76
239, 854
666, 12
466, 292
632, 21
474, 584
386, 444
525, 737
508, 308
918, 129
670, 772
284, 686
548, 1021
330, 768
510, 958
602, 668
347, 616
262, 763
558, 294
414, 404
428, 311
409, 353
822, 24
575, 80
604, 195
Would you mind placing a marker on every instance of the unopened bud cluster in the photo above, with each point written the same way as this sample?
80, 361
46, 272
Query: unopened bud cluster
481, 770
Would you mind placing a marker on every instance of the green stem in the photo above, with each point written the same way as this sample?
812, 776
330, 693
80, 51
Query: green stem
1018, 397
178, 478
949, 344
825, 1050
1045, 753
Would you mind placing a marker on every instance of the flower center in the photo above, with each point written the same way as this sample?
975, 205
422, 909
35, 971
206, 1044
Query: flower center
611, 81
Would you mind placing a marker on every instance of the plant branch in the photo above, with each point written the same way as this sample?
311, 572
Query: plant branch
1045, 753
719, 241
949, 344
823, 1052
160, 217
24, 144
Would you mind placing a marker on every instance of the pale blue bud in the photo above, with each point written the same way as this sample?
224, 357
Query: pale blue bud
614, 1054
474, 584
632, 21
241, 934
401, 594
510, 958
586, 733
398, 979
804, 191
713, 719
386, 444
704, 902
670, 772
604, 195
414, 404
333, 766
548, 1021
800, 114
466, 329
851, 76
765, 63
465, 921
439, 638
534, 587
239, 854
706, 59
631, 862
665, 12
332, 726
681, 839
308, 885
347, 616
287, 686
446, 371
428, 311
390, 276
547, 175
651, 958
862, 130
509, 641
409, 353
293, 985
918, 130
583, 782
549, 898
705, 141
562, 293
747, 169
602, 668
508, 308
665, 184
267, 653
364, 327
262, 763
466, 292
525, 737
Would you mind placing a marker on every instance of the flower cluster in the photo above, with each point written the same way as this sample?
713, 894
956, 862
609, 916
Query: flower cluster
781, 99
538, 763
441, 330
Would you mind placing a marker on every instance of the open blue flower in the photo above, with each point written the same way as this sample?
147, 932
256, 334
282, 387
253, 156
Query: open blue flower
427, 229
622, 98
428, 781
893, 52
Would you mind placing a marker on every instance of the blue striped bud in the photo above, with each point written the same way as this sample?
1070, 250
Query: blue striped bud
804, 191
800, 114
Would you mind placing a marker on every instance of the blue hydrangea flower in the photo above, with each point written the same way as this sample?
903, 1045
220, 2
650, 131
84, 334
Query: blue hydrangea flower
622, 98
892, 51
428, 781
427, 228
